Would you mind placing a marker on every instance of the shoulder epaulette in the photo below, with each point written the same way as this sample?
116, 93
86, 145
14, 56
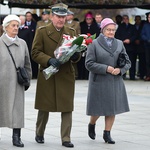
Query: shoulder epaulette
71, 28
41, 27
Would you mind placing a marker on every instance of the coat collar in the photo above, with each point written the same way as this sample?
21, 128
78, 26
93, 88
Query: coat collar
54, 34
102, 42
8, 42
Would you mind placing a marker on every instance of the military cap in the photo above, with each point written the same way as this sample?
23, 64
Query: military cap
70, 12
45, 12
59, 9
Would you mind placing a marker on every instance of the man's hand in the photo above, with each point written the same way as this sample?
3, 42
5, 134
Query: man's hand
126, 41
54, 62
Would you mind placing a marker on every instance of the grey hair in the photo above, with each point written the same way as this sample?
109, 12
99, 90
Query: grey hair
5, 25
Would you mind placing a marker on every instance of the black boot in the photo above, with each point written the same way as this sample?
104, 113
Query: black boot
91, 131
107, 137
16, 138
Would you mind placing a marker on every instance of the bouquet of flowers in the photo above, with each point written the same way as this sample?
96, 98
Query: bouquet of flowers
67, 49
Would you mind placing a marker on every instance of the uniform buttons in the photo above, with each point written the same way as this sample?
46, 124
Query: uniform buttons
111, 55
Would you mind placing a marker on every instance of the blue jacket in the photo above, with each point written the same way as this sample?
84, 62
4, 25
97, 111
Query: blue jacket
145, 34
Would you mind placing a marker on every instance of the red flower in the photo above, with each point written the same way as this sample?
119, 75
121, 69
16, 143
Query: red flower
88, 34
88, 41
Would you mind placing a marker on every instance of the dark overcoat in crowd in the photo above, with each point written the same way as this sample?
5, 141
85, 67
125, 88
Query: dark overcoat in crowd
83, 73
57, 93
25, 34
92, 29
126, 32
140, 51
34, 65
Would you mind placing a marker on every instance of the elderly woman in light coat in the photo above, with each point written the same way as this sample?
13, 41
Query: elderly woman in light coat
106, 94
12, 93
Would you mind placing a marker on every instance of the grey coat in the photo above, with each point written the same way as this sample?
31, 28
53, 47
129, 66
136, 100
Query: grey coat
106, 92
11, 93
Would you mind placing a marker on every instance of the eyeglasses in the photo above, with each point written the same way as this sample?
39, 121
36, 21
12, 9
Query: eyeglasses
111, 30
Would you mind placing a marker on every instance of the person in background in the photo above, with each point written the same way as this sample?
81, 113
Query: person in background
30, 22
51, 94
70, 22
45, 19
145, 34
118, 19
98, 19
127, 33
106, 92
11, 92
32, 26
24, 32
87, 26
139, 48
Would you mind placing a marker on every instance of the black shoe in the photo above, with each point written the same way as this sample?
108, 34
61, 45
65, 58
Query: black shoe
107, 138
91, 131
67, 144
39, 139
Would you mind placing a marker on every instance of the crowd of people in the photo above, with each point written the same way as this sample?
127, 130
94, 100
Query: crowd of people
134, 36
32, 43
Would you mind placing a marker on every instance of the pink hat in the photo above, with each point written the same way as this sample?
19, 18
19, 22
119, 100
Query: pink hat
106, 22
89, 15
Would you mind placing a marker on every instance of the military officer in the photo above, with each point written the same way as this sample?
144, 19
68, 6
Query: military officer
57, 93
45, 19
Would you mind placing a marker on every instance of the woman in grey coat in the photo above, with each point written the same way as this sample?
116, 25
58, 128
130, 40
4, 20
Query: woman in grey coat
12, 93
106, 93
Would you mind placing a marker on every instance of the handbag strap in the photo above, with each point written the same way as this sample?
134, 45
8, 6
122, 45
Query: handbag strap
12, 57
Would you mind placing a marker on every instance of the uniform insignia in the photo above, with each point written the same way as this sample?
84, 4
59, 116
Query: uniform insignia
72, 28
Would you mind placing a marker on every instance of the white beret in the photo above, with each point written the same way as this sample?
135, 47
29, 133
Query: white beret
11, 18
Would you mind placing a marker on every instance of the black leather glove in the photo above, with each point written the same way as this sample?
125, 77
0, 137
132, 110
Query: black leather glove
75, 56
54, 62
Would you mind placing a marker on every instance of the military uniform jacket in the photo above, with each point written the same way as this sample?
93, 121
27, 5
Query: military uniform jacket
42, 23
75, 25
57, 93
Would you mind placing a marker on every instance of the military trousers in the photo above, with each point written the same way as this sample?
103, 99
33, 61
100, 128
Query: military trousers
66, 124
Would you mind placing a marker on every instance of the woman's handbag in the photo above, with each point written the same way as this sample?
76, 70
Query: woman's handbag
121, 62
22, 75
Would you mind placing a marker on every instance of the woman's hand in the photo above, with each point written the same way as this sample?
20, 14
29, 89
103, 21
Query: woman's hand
116, 71
110, 69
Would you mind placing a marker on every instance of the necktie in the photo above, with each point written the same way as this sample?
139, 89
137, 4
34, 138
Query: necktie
28, 23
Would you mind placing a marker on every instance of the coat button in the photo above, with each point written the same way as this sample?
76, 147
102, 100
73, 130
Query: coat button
111, 55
